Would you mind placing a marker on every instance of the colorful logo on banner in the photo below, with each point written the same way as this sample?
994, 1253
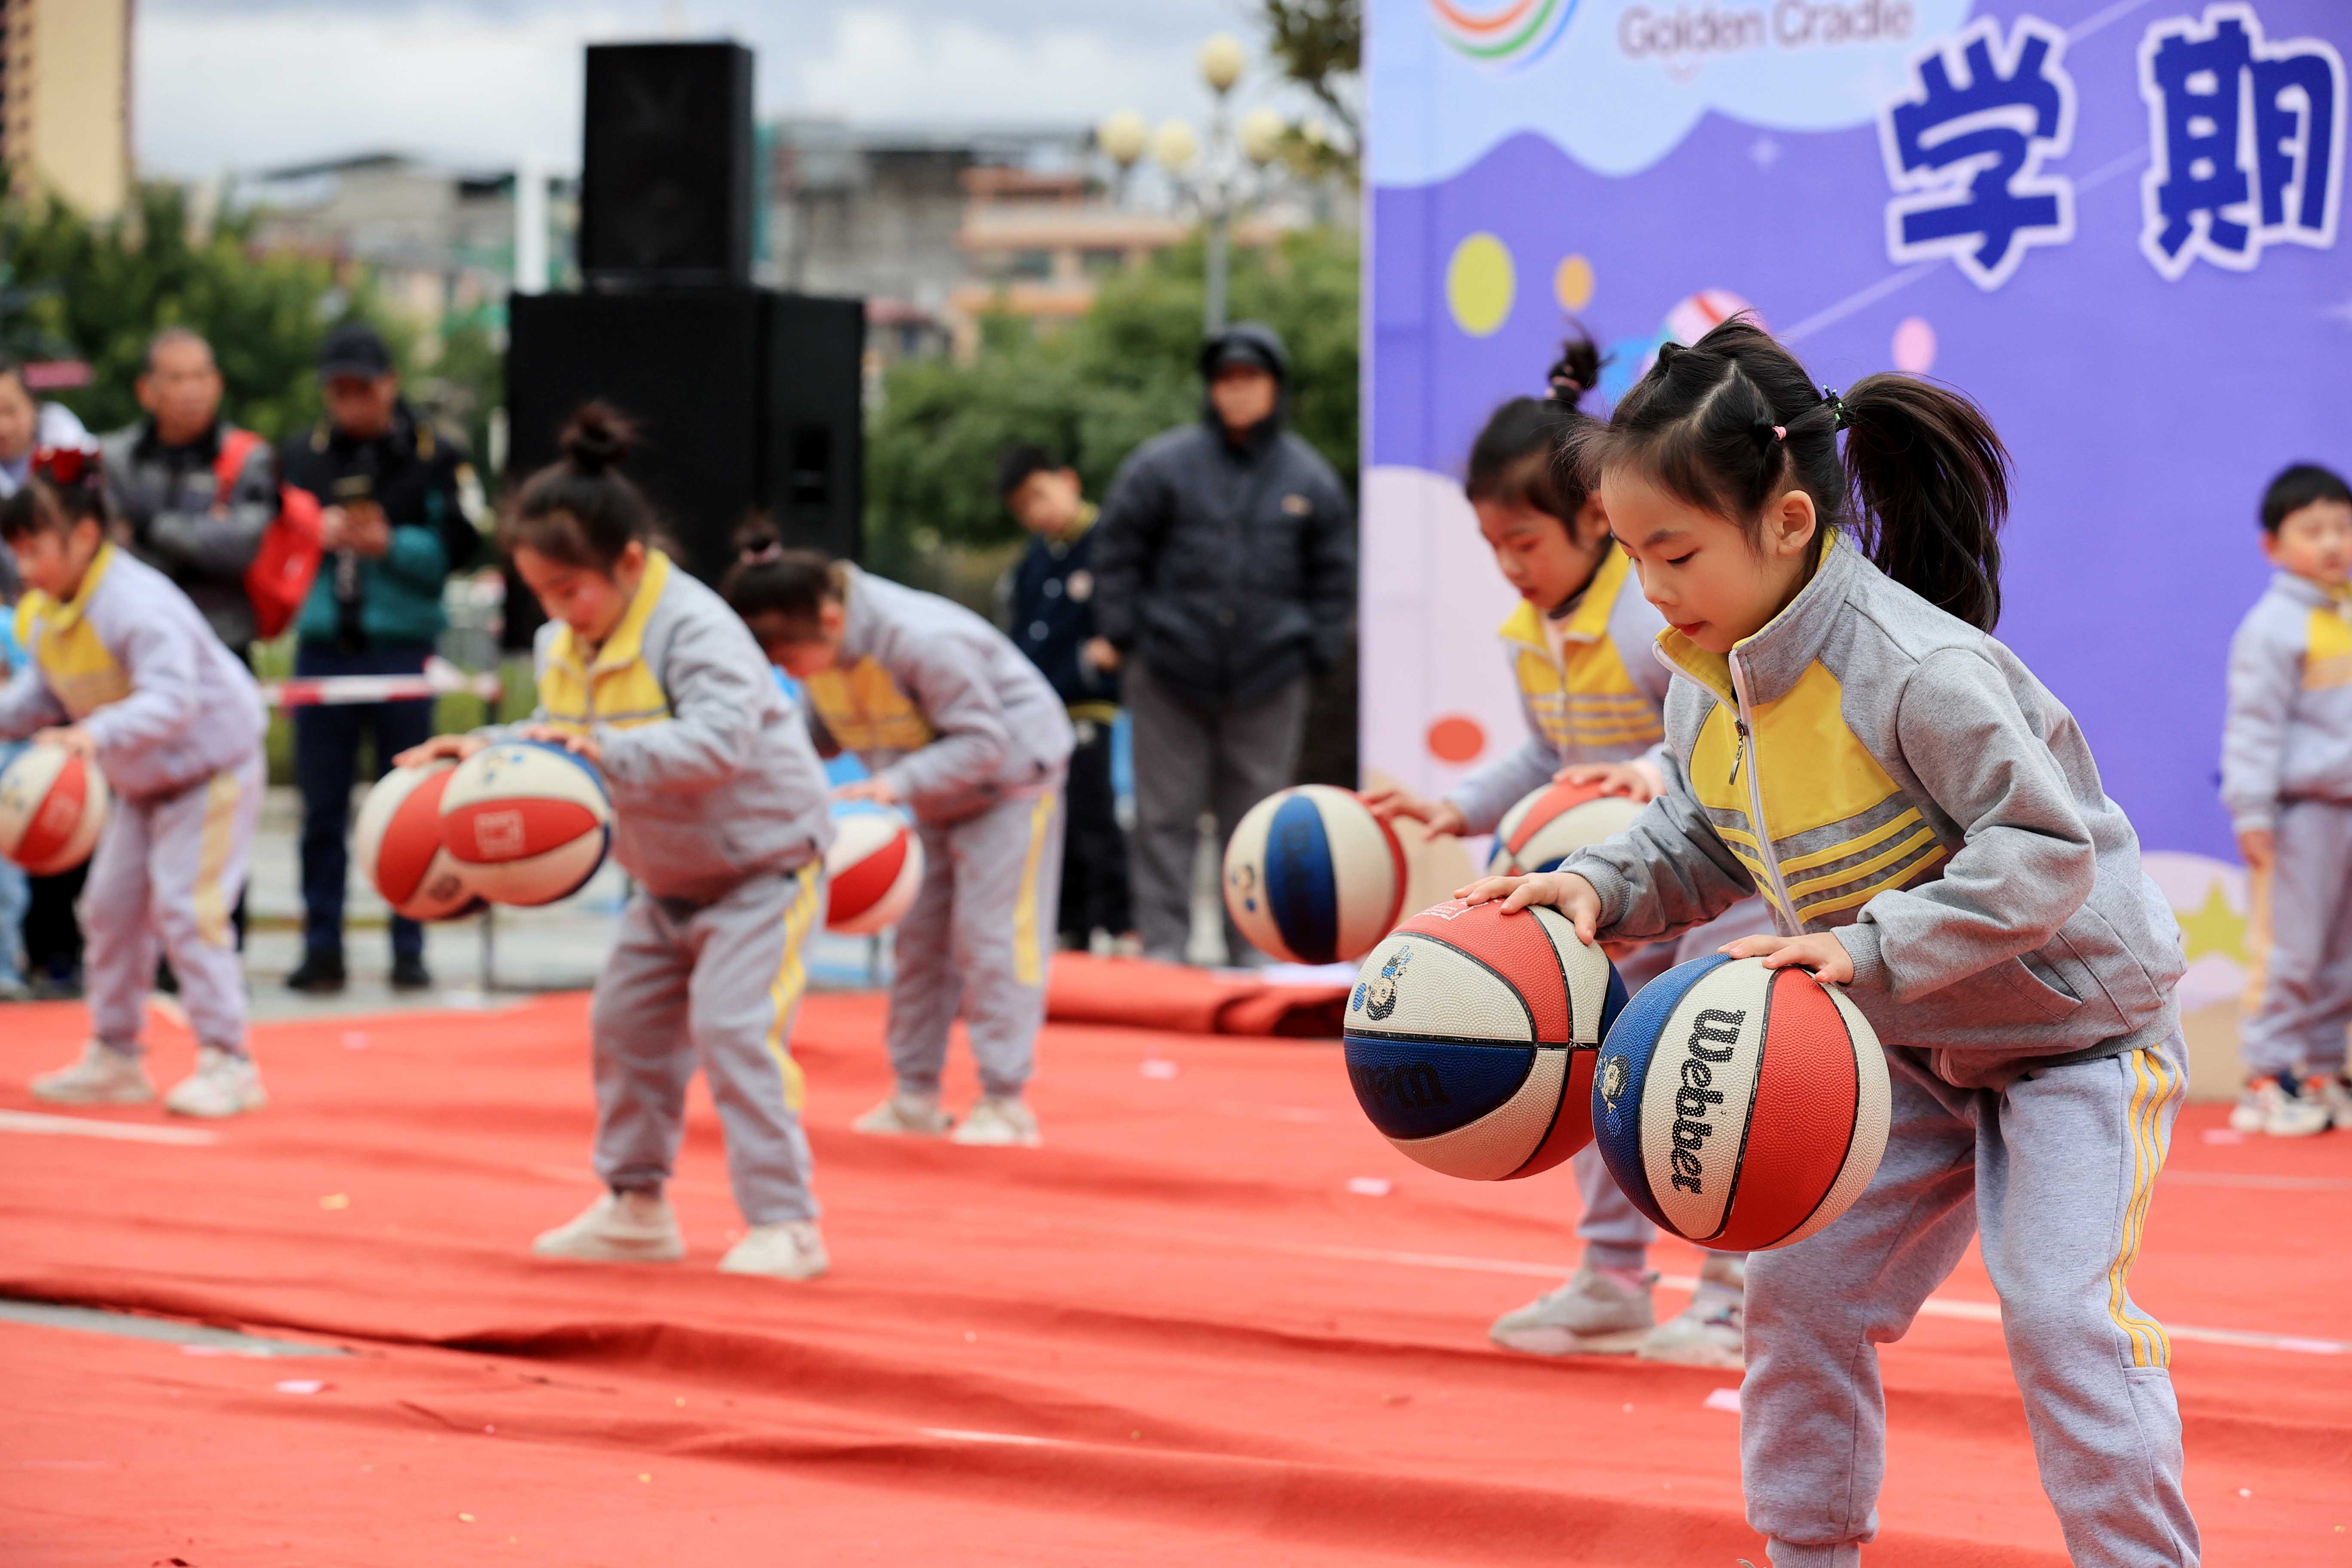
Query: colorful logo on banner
1509, 36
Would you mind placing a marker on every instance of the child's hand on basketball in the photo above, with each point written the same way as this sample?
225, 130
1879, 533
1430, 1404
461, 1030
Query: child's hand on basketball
1820, 952
1566, 891
454, 748
878, 789
1628, 779
1440, 816
583, 746
72, 737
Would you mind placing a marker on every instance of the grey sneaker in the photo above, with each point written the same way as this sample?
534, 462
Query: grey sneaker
101, 1077
1712, 1329
793, 1251
1593, 1314
619, 1227
905, 1116
222, 1084
995, 1122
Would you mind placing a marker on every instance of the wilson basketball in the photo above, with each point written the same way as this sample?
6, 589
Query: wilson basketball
526, 822
1312, 877
53, 803
398, 844
1554, 823
872, 871
1471, 1034
1741, 1107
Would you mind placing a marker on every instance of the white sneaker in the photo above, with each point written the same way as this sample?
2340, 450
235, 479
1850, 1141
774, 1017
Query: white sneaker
905, 1116
995, 1122
1712, 1329
2336, 1094
793, 1251
1593, 1314
2283, 1109
222, 1084
618, 1227
2246, 1116
102, 1076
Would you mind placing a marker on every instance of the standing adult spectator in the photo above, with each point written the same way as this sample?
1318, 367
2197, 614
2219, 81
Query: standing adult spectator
162, 475
1224, 575
388, 485
26, 425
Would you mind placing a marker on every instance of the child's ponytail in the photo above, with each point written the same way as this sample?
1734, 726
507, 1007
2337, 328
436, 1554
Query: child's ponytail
1931, 483
1516, 459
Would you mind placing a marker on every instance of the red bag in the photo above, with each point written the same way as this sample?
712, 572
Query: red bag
287, 561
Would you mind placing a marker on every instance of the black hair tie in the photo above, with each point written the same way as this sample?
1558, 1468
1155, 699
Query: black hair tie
1837, 406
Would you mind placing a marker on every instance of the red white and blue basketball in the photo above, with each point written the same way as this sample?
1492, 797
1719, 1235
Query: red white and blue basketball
872, 871
53, 805
398, 844
528, 822
1553, 823
1313, 877
1740, 1107
1471, 1034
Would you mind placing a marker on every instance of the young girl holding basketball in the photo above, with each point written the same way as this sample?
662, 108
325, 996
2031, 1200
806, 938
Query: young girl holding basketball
719, 817
1580, 649
1924, 818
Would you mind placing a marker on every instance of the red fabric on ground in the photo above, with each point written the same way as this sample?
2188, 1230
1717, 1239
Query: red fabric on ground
1137, 993
1173, 1335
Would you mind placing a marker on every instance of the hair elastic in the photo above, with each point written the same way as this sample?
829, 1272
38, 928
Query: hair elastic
1780, 432
1837, 406
66, 464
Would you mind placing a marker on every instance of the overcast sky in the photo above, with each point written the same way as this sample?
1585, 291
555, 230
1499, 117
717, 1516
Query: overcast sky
253, 84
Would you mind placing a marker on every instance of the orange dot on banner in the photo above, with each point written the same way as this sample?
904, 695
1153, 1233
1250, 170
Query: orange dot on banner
1571, 284
1456, 738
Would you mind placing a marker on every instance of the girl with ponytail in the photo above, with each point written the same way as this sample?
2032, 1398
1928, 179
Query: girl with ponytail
1845, 738
1578, 650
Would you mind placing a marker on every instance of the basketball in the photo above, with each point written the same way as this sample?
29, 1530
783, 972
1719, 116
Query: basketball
1470, 1039
1312, 877
53, 802
1554, 823
398, 844
1741, 1107
871, 872
526, 822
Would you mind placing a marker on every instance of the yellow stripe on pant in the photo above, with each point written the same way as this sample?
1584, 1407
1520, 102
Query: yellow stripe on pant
2158, 1084
212, 900
1027, 967
791, 979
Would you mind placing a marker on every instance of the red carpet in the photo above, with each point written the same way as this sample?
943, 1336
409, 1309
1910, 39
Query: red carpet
1172, 1336
1169, 997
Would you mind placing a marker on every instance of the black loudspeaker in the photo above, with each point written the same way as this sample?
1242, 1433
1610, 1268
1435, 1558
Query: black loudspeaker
747, 402
665, 182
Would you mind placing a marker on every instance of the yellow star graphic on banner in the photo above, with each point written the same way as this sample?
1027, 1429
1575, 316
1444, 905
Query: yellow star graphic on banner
2215, 927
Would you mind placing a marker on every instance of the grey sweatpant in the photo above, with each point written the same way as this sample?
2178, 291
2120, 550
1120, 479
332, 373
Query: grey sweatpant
977, 942
1615, 1234
2306, 996
165, 874
1191, 757
2054, 1175
716, 984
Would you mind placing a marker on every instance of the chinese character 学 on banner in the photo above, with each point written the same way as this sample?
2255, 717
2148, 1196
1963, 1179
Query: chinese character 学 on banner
1964, 150
2246, 141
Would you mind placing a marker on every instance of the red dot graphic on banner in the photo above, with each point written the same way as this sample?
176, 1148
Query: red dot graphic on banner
1456, 738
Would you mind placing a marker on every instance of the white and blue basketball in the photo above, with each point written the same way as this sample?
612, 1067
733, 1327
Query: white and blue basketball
1739, 1106
1313, 877
1471, 1034
1553, 823
526, 822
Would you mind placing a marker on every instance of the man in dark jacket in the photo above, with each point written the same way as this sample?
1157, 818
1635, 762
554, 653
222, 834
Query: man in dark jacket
161, 475
391, 488
1225, 576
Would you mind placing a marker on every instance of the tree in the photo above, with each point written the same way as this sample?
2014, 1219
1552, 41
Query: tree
1320, 44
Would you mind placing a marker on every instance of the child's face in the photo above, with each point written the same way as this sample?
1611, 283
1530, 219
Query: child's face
1700, 571
589, 602
2315, 542
56, 560
1542, 557
1047, 502
797, 648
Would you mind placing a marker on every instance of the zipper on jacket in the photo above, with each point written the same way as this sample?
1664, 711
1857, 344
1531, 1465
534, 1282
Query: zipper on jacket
1764, 847
1739, 747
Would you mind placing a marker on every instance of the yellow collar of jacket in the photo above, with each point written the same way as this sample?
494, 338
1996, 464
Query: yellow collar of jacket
1589, 622
615, 687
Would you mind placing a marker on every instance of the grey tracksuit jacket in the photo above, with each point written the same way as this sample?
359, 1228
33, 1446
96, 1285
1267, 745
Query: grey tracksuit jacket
1875, 767
184, 526
2289, 731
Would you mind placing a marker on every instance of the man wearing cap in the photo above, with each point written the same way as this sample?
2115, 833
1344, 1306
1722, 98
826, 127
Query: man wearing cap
390, 487
1225, 577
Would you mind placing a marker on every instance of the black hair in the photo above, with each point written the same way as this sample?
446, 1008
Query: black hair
44, 503
1733, 420
580, 510
1514, 461
1015, 464
791, 585
2299, 486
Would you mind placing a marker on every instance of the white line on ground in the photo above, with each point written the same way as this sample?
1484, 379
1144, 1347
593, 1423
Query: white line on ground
89, 1127
954, 1435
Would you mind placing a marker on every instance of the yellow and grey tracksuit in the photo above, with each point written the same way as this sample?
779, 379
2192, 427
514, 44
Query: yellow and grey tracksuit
720, 814
941, 704
178, 725
2287, 765
1878, 769
1594, 690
